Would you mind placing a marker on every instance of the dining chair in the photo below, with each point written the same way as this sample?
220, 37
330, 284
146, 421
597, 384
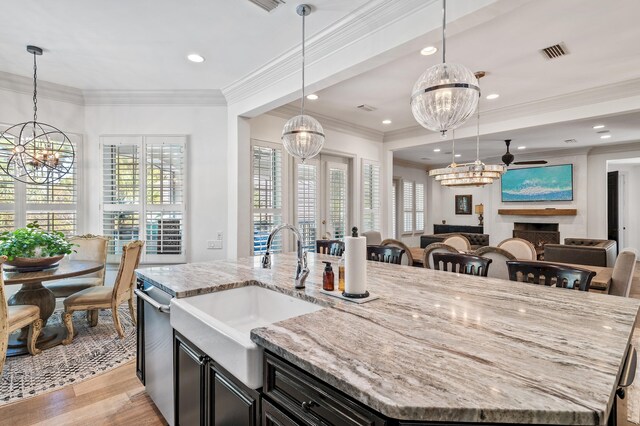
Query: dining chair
15, 317
546, 273
461, 263
374, 238
499, 257
336, 248
622, 275
94, 298
431, 249
390, 242
459, 242
89, 248
385, 254
520, 248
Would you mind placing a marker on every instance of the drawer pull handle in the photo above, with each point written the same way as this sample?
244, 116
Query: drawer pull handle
307, 405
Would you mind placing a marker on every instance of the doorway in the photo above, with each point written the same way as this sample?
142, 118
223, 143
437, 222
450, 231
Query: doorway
623, 185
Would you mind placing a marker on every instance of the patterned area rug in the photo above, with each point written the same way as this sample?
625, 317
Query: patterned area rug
94, 350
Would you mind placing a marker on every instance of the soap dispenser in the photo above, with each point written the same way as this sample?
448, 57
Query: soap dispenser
328, 277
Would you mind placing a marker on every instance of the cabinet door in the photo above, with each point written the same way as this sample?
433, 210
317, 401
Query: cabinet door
190, 385
229, 404
140, 335
271, 416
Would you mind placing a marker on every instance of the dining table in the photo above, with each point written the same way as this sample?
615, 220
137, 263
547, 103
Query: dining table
599, 284
33, 292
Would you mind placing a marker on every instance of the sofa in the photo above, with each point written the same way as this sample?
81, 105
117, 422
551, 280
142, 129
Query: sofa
476, 240
582, 251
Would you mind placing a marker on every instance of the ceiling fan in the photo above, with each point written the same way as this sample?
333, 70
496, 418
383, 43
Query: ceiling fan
508, 158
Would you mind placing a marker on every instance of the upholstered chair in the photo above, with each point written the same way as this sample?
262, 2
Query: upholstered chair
499, 257
374, 238
427, 257
623, 274
100, 297
407, 259
13, 318
520, 248
459, 242
89, 248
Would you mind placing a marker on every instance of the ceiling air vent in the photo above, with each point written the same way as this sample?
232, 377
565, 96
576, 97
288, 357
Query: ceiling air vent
267, 5
555, 51
365, 107
570, 141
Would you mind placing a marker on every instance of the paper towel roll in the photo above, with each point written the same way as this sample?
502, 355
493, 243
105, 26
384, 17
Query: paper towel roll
355, 265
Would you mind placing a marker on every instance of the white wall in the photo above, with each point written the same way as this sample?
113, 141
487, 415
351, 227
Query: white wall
629, 198
268, 128
205, 127
418, 175
441, 205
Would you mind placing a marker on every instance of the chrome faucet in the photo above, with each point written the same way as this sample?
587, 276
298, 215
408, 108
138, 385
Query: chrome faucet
302, 271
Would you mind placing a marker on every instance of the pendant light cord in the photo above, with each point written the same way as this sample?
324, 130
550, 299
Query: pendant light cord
303, 53
35, 89
478, 132
444, 30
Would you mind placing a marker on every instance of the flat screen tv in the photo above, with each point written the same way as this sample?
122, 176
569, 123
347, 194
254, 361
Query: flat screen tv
547, 183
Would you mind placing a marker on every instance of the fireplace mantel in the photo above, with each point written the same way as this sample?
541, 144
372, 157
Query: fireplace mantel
538, 212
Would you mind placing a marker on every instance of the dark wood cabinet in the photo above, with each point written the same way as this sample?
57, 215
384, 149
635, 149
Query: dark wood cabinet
303, 399
272, 416
206, 394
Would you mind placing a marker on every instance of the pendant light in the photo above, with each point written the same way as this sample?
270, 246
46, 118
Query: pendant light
302, 135
446, 95
34, 152
469, 174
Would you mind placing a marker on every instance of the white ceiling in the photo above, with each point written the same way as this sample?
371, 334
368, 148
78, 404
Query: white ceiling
142, 44
603, 49
623, 127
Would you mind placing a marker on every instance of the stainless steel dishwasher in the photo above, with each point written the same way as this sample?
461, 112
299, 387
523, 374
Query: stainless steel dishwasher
154, 362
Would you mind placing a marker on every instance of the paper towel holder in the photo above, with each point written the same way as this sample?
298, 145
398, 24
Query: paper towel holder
356, 295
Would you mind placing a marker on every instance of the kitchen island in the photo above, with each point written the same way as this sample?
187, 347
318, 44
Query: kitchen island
437, 346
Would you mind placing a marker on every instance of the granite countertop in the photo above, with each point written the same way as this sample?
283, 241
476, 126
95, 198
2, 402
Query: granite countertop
439, 346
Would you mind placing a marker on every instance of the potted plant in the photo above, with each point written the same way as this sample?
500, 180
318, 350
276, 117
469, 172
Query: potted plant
33, 248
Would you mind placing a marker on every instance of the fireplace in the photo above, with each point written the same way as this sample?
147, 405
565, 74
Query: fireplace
538, 233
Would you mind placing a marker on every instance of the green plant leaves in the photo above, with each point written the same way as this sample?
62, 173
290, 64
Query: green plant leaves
32, 241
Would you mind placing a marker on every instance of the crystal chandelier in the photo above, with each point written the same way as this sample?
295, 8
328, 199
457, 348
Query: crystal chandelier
446, 95
469, 174
34, 152
302, 135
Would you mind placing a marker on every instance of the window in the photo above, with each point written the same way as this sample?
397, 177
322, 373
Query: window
394, 206
307, 206
412, 207
407, 190
419, 207
144, 195
267, 195
370, 196
53, 205
337, 177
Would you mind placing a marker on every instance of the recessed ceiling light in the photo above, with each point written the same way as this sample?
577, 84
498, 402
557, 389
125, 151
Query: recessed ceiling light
386, 121
458, 155
194, 57
605, 136
312, 97
522, 147
429, 50
599, 126
436, 150
493, 96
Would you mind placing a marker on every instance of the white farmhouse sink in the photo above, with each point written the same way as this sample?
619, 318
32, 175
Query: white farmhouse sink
220, 324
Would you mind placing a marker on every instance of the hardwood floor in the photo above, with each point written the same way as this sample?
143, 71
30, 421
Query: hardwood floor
113, 398
118, 398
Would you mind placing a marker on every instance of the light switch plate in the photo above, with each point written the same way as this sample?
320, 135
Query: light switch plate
214, 244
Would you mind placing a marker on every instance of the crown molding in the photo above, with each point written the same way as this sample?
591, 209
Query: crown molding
154, 97
288, 111
58, 92
371, 17
611, 92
